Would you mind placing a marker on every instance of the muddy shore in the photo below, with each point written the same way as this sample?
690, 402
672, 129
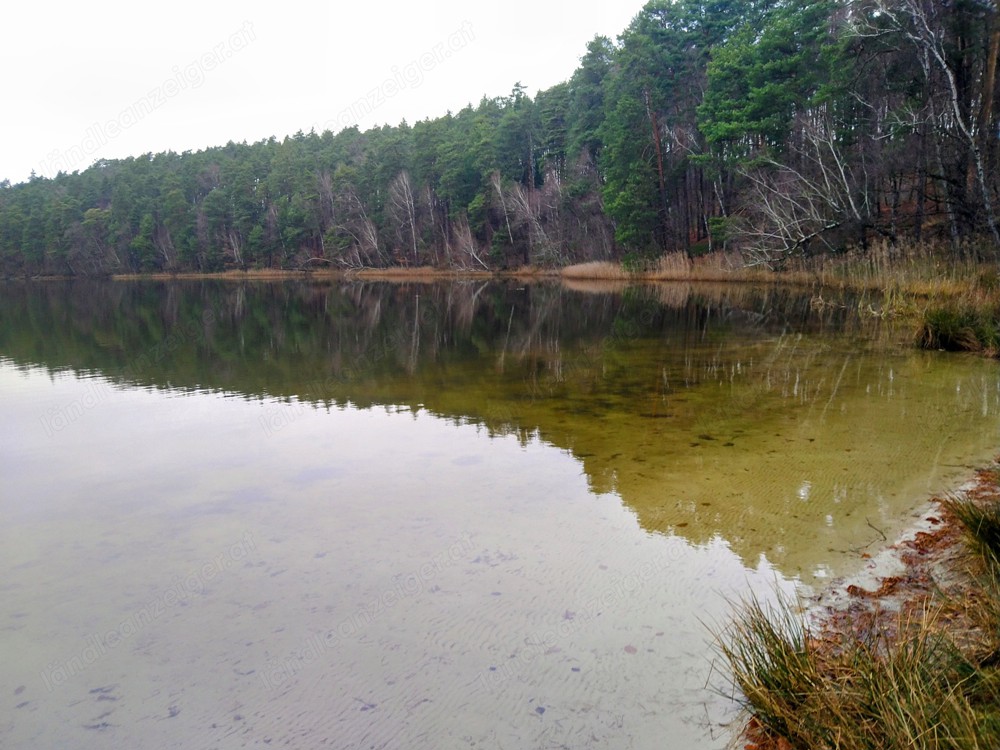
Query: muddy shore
928, 562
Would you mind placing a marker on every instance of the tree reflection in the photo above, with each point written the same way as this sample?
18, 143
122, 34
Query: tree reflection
705, 408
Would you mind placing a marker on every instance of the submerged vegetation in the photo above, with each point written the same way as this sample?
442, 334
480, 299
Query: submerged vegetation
755, 133
712, 390
926, 675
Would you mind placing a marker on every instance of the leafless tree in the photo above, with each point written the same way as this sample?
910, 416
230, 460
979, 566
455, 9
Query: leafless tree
234, 246
403, 209
467, 255
364, 249
967, 111
805, 197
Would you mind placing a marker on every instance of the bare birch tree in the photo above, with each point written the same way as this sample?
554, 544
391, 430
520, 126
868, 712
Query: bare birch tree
403, 209
363, 248
807, 196
921, 23
468, 255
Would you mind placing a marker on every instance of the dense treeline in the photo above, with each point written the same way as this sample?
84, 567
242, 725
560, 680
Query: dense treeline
770, 127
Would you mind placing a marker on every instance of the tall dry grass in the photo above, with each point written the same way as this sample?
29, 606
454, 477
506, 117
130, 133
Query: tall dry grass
673, 267
926, 269
598, 270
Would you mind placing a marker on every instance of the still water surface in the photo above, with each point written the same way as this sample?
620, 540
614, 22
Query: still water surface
434, 516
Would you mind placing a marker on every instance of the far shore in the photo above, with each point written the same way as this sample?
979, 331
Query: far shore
924, 270
601, 274
598, 271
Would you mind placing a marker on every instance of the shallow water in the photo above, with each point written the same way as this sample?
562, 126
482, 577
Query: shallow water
434, 516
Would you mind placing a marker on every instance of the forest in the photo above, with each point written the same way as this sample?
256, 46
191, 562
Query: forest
770, 128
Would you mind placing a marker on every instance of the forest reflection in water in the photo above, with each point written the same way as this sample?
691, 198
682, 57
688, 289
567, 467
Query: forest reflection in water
787, 429
434, 515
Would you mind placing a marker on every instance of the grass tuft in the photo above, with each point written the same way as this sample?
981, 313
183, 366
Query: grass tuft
911, 689
776, 671
981, 524
959, 329
927, 676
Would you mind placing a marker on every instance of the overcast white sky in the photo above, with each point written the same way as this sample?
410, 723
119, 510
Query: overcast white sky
109, 79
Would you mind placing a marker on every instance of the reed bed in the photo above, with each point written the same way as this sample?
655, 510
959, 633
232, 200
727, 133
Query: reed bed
952, 296
597, 270
676, 266
925, 269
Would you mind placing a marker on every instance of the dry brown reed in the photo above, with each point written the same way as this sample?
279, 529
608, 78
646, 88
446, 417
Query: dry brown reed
597, 270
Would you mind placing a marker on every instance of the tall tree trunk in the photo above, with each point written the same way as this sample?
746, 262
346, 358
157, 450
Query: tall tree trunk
921, 183
986, 126
658, 145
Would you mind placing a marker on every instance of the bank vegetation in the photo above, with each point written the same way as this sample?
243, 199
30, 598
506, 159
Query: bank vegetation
914, 664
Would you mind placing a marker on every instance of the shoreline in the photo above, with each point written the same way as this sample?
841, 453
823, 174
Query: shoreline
924, 584
905, 573
669, 269
877, 272
583, 283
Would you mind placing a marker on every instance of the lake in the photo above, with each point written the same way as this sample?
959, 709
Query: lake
460, 515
